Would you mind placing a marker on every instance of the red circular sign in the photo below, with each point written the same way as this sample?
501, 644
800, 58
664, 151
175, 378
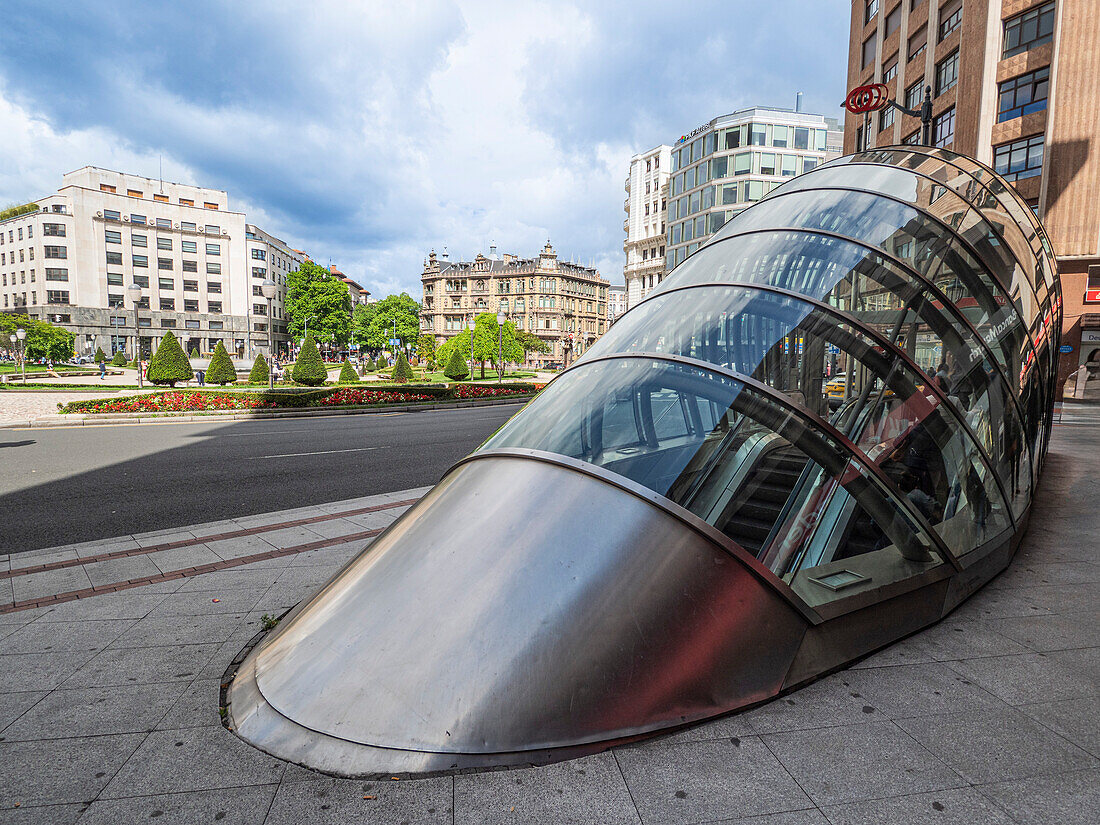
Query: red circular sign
867, 98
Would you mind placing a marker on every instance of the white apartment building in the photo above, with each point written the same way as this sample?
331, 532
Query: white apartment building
646, 201
73, 260
616, 301
729, 163
268, 257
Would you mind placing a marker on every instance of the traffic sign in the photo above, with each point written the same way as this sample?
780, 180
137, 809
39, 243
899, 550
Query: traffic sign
1065, 349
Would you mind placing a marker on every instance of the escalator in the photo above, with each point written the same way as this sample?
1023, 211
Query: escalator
750, 516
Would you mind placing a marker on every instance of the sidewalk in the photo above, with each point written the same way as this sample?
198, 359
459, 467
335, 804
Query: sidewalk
111, 655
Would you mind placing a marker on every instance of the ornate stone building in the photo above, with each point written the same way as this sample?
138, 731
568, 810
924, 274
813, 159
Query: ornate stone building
563, 303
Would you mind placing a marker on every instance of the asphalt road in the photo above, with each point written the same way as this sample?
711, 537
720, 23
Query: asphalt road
65, 485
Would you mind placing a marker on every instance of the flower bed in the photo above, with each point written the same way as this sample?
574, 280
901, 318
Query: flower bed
185, 400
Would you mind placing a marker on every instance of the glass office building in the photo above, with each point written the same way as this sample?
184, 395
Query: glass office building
819, 434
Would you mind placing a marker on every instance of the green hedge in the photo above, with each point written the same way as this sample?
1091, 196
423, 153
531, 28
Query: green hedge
221, 369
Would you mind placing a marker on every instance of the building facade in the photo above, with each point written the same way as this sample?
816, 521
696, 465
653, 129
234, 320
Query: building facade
728, 164
564, 304
645, 204
196, 262
616, 301
1015, 84
268, 257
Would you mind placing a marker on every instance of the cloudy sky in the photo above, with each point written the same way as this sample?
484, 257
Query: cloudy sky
367, 133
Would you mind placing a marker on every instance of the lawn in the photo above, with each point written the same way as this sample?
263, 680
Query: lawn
8, 368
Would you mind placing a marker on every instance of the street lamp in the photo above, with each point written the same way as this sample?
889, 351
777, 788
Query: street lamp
268, 288
21, 334
501, 318
135, 296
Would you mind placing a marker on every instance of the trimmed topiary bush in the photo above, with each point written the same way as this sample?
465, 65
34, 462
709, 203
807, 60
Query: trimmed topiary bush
309, 369
259, 371
221, 369
119, 360
169, 363
380, 363
194, 352
348, 374
100, 356
402, 372
457, 369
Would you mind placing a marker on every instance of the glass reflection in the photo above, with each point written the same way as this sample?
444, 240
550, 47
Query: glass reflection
764, 476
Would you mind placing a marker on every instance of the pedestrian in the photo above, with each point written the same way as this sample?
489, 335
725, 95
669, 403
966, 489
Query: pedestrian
102, 370
200, 374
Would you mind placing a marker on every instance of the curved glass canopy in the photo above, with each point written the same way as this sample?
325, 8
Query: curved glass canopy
820, 433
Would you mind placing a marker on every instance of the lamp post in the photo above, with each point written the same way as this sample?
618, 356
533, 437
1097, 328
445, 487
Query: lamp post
135, 296
268, 288
20, 349
501, 318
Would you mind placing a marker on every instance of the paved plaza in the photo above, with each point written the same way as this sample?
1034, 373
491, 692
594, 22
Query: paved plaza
112, 653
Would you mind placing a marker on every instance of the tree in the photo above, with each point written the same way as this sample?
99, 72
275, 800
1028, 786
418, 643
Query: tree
313, 293
380, 363
309, 369
402, 372
456, 368
531, 342
258, 375
194, 352
374, 324
425, 349
44, 340
100, 356
169, 363
460, 343
119, 360
348, 374
221, 369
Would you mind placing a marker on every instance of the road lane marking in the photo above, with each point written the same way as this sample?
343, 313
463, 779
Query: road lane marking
318, 452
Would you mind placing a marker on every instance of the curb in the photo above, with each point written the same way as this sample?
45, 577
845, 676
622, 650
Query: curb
214, 416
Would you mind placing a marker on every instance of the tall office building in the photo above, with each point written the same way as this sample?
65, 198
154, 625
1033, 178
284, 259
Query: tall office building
1015, 84
564, 304
198, 264
646, 201
731, 162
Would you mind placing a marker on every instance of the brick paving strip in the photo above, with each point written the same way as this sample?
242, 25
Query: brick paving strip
172, 545
274, 553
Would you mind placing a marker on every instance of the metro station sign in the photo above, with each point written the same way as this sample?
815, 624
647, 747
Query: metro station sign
869, 98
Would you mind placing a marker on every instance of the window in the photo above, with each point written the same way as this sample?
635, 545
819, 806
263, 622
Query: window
1023, 95
142, 281
105, 187
187, 226
870, 10
139, 240
114, 301
194, 324
917, 42
111, 236
190, 304
165, 283
57, 274
757, 134
111, 215
767, 164
787, 169
186, 202
167, 323
260, 309
893, 20
891, 70
144, 322
213, 306
943, 128
217, 324
1092, 285
947, 72
190, 286
912, 139
164, 263
886, 118
808, 164
214, 286
137, 219
54, 296
114, 278
209, 205
190, 266
213, 249
951, 15
1028, 30
188, 246
914, 95
161, 198
868, 51
114, 259
742, 164
213, 230
259, 272
213, 268
168, 303
56, 252
164, 223
54, 229
801, 138
134, 193
1020, 159
779, 136
164, 243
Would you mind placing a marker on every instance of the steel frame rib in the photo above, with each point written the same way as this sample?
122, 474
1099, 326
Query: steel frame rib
883, 341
